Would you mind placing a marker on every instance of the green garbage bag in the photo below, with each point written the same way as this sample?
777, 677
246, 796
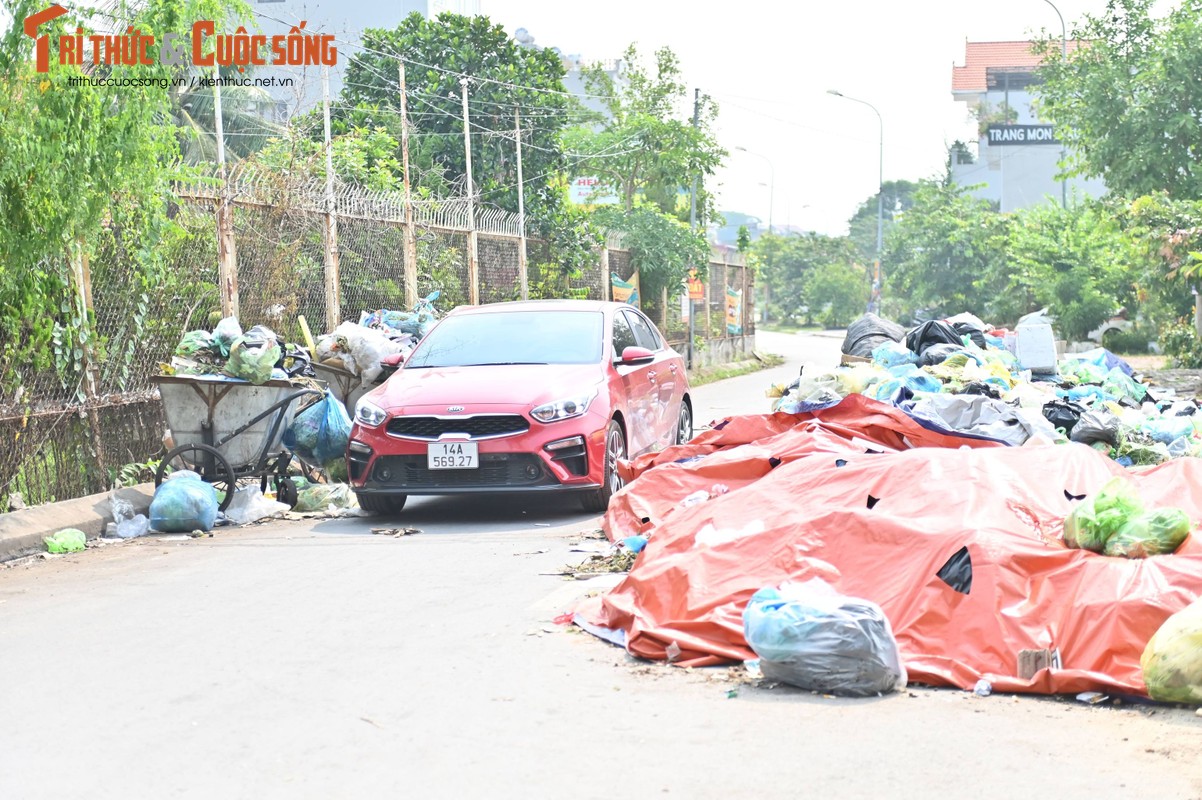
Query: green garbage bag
1097, 518
1149, 534
194, 343
253, 360
68, 540
1172, 661
320, 496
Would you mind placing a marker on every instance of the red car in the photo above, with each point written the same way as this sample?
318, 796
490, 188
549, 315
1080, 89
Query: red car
534, 396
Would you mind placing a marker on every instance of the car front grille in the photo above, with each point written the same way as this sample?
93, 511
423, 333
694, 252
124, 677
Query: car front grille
499, 470
481, 426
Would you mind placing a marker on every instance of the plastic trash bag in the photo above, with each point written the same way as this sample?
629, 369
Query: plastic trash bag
938, 353
1099, 517
1096, 426
194, 342
1119, 384
321, 496
253, 356
68, 540
1172, 661
320, 433
1152, 533
224, 335
892, 354
182, 505
869, 332
810, 636
249, 505
1063, 414
931, 333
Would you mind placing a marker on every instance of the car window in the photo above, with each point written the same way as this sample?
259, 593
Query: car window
512, 337
643, 333
623, 335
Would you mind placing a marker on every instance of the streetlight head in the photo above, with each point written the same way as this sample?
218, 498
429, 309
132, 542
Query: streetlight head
835, 92
741, 147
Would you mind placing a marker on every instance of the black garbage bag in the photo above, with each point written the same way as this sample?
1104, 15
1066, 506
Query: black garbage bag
1096, 426
964, 329
868, 333
1063, 414
981, 388
931, 333
938, 353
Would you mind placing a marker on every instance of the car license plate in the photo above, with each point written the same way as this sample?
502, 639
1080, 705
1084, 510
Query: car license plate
453, 455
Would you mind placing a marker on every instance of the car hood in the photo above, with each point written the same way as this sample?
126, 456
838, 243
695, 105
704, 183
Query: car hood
508, 385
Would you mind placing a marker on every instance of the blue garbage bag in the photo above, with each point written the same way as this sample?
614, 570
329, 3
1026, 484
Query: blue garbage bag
320, 433
183, 504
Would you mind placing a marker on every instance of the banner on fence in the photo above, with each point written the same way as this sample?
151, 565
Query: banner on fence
626, 291
734, 311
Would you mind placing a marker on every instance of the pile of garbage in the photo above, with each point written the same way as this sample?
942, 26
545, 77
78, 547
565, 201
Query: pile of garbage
364, 349
256, 355
962, 375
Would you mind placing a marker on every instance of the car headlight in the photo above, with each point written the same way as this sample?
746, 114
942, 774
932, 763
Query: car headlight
563, 409
369, 414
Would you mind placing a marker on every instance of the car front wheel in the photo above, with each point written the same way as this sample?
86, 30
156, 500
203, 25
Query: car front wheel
684, 423
384, 505
596, 502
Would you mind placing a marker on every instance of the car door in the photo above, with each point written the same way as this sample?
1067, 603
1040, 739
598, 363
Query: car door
664, 380
636, 386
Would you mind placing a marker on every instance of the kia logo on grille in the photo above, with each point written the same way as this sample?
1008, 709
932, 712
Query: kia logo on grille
454, 409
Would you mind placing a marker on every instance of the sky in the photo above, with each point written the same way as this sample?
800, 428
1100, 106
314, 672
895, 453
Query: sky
770, 64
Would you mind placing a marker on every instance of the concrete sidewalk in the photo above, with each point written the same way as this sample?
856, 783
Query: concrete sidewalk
21, 531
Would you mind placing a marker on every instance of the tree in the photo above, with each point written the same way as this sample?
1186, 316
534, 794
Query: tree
80, 166
898, 197
790, 266
1129, 105
502, 76
839, 293
643, 147
662, 248
947, 254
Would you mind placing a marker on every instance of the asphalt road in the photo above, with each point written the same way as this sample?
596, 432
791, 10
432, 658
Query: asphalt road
315, 659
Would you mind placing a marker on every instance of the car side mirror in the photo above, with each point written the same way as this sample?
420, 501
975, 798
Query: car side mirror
637, 355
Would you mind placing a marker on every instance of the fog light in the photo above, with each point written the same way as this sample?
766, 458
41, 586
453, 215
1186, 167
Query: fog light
531, 471
384, 474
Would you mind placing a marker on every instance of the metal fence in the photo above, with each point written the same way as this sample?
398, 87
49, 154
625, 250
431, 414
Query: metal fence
66, 431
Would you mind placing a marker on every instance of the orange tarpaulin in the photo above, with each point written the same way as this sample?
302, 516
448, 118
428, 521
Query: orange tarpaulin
836, 494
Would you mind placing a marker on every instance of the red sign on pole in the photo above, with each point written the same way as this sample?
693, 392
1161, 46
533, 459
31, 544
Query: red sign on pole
696, 287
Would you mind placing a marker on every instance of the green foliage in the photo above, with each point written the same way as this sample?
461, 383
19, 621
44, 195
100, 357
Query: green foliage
662, 248
1128, 103
947, 254
743, 243
841, 292
1133, 341
502, 76
366, 157
790, 264
573, 238
645, 147
1073, 261
1179, 341
897, 198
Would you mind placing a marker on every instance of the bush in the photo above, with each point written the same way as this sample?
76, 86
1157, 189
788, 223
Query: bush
1180, 343
1133, 341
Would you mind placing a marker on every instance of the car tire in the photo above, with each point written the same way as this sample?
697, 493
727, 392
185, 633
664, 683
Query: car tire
382, 504
596, 502
684, 424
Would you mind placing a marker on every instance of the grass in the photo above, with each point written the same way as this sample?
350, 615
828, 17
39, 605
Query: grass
721, 372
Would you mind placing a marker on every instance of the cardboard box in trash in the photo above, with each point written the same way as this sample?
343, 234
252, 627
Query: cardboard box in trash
848, 359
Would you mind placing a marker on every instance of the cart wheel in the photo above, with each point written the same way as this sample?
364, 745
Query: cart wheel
208, 461
285, 491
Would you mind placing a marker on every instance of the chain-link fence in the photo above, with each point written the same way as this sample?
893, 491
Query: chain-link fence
68, 426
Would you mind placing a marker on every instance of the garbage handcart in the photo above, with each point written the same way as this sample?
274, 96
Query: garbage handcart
230, 430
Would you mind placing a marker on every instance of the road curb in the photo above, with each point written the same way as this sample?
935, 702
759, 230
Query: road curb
21, 531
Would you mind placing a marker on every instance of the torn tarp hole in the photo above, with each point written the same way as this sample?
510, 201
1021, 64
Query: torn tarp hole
870, 451
957, 572
773, 462
1070, 496
721, 425
872, 501
840, 462
645, 520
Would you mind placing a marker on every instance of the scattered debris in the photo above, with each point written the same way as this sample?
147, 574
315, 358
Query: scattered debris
395, 533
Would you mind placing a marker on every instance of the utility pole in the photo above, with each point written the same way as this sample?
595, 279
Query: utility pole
333, 311
1063, 58
517, 137
473, 263
693, 228
227, 258
410, 252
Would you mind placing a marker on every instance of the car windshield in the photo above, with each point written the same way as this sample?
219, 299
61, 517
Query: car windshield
512, 337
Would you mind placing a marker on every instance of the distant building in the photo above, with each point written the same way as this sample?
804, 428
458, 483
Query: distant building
574, 65
346, 20
1017, 152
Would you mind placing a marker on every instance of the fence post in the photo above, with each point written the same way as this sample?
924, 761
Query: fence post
709, 293
227, 254
606, 283
333, 310
81, 277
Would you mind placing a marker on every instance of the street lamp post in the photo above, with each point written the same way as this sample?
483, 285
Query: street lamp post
771, 200
1063, 57
880, 198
